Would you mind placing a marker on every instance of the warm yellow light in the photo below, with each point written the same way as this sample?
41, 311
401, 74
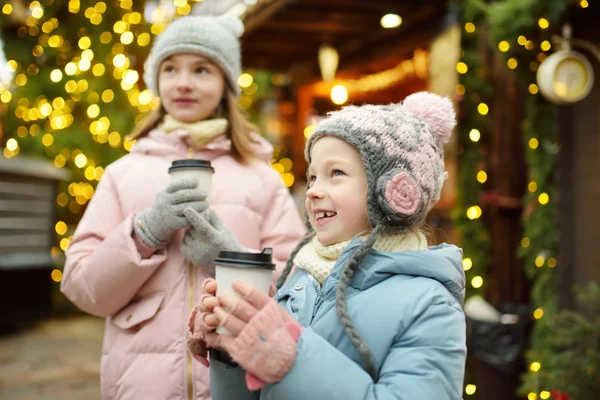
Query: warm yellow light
84, 64
483, 108
11, 144
114, 139
71, 68
98, 70
533, 143
481, 176
120, 27
127, 145
470, 389
100, 7
339, 94
467, 264
93, 111
522, 40
56, 275
551, 262
108, 95
539, 261
533, 88
584, 4
105, 37
512, 63
131, 76
473, 212
538, 313
288, 179
462, 68
21, 80
503, 46
525, 242
119, 60
5, 96
84, 43
37, 12
59, 162
45, 109
543, 198
477, 282
389, 21
56, 75
545, 45
127, 37
64, 244
245, 80
532, 396
308, 131
529, 45
80, 161
7, 9
543, 23
460, 89
535, 366
47, 140
60, 228
544, 394
470, 27
89, 54
143, 39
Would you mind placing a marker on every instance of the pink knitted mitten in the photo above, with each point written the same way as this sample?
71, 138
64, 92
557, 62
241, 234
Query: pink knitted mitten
196, 335
266, 346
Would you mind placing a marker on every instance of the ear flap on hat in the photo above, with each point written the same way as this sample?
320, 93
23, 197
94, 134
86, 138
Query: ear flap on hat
233, 24
399, 194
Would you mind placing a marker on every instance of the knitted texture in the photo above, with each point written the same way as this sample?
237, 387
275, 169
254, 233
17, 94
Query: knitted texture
401, 148
215, 37
156, 225
201, 132
265, 345
196, 334
319, 260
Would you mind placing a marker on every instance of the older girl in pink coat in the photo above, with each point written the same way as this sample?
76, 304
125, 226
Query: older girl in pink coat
132, 258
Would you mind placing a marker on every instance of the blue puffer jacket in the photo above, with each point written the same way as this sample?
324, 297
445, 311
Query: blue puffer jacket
405, 305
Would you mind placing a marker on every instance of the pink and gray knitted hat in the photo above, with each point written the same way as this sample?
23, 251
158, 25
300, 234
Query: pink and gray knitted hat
401, 148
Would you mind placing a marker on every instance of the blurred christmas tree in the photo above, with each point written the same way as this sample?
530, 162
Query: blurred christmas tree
77, 87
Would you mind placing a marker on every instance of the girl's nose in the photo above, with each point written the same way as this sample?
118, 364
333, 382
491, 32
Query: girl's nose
315, 192
184, 81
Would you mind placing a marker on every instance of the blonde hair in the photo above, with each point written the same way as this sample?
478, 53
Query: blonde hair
241, 131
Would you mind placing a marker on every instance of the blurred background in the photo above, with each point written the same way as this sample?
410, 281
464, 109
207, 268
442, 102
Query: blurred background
524, 163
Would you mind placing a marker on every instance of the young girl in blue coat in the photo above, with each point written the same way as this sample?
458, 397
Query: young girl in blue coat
369, 311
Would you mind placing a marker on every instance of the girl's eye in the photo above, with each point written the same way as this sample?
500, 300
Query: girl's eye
168, 68
202, 70
311, 179
337, 172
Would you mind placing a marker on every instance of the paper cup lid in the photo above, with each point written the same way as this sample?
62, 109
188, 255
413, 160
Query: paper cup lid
237, 259
191, 164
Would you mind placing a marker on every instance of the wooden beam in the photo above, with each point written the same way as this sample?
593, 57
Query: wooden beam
256, 18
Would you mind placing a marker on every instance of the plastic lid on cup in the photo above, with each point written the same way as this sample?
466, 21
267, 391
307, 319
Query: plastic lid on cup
262, 260
191, 164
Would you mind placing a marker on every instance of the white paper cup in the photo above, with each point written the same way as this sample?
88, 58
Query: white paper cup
253, 268
196, 169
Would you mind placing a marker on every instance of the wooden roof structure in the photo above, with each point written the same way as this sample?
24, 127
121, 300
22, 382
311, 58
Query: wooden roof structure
285, 35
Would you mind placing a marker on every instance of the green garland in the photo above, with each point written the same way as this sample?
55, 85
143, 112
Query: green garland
518, 25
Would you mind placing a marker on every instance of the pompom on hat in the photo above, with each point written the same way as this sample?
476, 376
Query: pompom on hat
214, 37
401, 146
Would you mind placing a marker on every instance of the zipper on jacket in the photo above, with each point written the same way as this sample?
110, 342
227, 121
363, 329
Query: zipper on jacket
190, 381
320, 300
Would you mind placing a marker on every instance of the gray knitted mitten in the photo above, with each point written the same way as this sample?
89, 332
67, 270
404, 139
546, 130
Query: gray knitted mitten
156, 225
206, 238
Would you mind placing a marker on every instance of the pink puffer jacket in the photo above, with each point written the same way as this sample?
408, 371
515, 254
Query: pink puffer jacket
147, 301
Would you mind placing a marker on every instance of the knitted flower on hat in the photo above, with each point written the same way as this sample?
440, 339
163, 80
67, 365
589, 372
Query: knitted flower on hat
401, 146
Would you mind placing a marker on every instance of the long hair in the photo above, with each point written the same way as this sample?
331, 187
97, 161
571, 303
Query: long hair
240, 130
